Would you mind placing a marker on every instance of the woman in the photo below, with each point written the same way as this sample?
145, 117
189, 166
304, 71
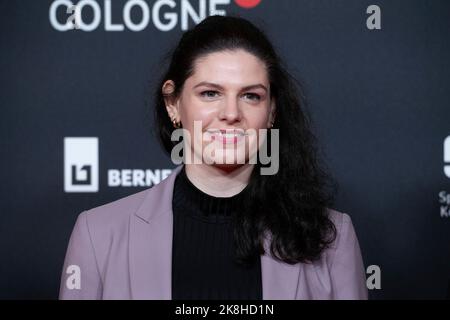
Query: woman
219, 229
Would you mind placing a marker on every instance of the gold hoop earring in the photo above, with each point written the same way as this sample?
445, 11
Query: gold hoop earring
176, 125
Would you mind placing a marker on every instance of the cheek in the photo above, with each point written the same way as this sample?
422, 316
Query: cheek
257, 119
192, 110
196, 119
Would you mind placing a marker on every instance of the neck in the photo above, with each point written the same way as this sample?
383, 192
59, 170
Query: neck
219, 182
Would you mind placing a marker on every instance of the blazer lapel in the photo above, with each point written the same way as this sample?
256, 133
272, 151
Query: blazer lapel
150, 252
279, 280
150, 243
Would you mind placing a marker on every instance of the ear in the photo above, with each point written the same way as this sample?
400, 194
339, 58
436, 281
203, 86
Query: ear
272, 113
172, 105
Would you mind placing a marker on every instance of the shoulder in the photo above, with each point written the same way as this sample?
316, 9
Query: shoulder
344, 260
109, 221
340, 220
346, 240
115, 215
116, 212
99, 227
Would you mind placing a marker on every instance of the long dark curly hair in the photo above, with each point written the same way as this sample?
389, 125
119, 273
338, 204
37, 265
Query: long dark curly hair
292, 204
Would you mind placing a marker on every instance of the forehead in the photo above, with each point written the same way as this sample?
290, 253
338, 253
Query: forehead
230, 67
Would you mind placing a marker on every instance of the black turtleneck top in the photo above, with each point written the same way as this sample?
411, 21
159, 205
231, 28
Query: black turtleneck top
203, 265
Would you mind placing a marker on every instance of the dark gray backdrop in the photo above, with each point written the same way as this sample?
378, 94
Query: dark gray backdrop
379, 98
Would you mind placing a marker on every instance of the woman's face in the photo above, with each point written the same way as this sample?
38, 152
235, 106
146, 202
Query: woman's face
229, 93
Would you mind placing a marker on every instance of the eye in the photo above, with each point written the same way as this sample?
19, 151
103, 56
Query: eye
208, 94
253, 96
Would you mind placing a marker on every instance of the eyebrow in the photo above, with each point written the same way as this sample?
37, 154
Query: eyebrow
218, 86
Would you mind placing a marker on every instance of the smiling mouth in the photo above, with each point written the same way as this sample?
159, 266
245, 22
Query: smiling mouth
227, 136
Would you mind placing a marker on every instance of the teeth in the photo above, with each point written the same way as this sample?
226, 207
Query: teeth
231, 135
228, 135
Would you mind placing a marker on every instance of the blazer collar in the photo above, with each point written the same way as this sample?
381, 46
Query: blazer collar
150, 251
159, 198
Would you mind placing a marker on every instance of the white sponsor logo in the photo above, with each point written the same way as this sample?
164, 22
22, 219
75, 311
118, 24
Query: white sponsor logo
80, 164
81, 169
136, 177
165, 15
447, 157
444, 196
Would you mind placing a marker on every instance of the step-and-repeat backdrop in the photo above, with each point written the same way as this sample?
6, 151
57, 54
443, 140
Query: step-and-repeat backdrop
76, 122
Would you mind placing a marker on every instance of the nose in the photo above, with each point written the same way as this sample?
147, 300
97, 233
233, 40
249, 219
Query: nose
230, 111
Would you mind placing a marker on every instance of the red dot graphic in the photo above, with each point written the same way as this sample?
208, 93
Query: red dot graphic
247, 3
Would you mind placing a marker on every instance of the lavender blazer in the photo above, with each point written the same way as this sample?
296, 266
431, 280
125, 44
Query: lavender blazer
124, 251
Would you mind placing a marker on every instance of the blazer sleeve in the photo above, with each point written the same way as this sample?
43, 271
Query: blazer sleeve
80, 276
347, 269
